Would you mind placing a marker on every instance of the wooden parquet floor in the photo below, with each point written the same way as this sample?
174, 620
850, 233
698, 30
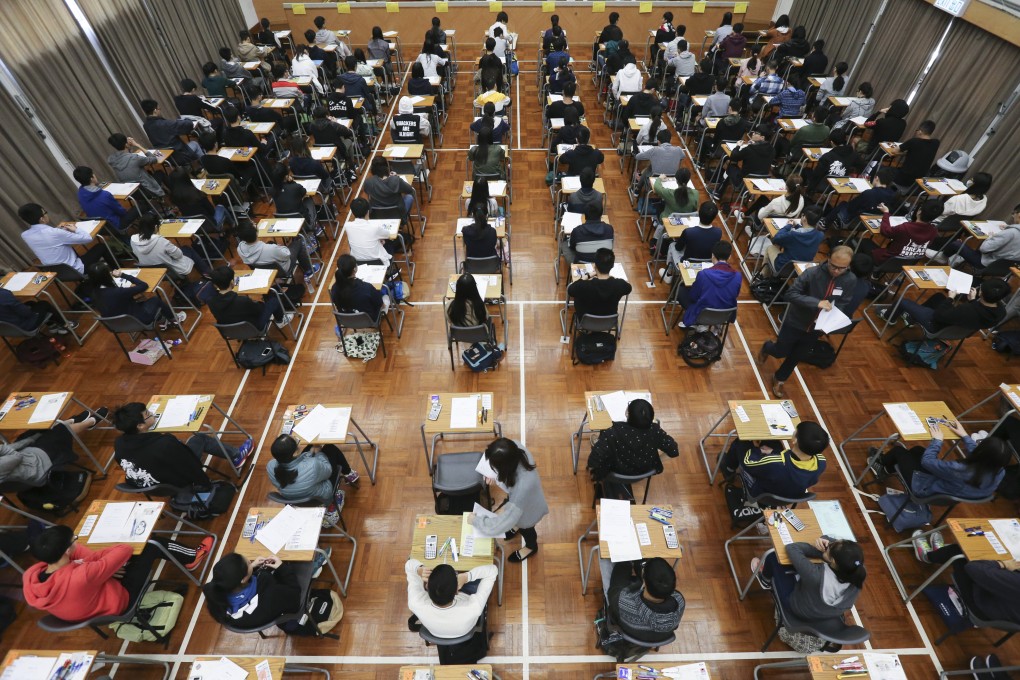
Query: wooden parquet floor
544, 627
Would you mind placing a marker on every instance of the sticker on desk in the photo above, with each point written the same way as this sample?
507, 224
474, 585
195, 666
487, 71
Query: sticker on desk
467, 547
423, 522
642, 534
993, 541
87, 525
623, 673
262, 670
784, 533
742, 414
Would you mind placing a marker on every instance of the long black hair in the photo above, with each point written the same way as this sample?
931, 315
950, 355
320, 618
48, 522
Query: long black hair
682, 192
653, 129
479, 195
506, 457
466, 293
228, 575
840, 79
484, 142
283, 450
987, 460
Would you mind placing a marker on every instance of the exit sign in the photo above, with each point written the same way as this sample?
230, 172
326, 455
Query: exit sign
954, 7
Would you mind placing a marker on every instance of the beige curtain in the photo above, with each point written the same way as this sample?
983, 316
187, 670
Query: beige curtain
842, 25
961, 118
144, 68
899, 49
28, 174
64, 80
999, 157
196, 30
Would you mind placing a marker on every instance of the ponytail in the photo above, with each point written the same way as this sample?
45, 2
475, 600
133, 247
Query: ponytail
227, 575
848, 562
344, 280
841, 69
682, 192
653, 128
793, 191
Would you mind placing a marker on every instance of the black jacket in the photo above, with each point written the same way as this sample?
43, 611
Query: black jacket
754, 159
230, 308
279, 592
361, 297
153, 457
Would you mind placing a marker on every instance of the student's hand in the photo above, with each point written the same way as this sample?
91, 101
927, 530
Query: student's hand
462, 580
881, 206
936, 431
957, 429
885, 110
131, 142
271, 562
822, 543
487, 481
972, 295
824, 304
1011, 565
425, 572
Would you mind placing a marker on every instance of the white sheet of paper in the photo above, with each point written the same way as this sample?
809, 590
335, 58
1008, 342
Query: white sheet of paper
310, 185
615, 404
225, 153
114, 524
81, 673
571, 183
831, 519
277, 531
762, 184
694, 671
997, 545
843, 101
339, 421
121, 188
742, 414
309, 427
956, 185
859, 120
485, 470
959, 282
372, 273
88, 525
397, 151
860, 184
321, 152
464, 412
1008, 531
482, 512
417, 99
262, 670
178, 411
48, 408
191, 227
941, 187
307, 535
884, 666
642, 534
617, 529
230, 670
556, 122
30, 668
498, 187
896, 221
798, 123
19, 281
906, 420
259, 278
784, 533
831, 320
617, 272
938, 277
286, 225
779, 422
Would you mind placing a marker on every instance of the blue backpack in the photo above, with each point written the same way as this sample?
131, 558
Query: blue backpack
481, 356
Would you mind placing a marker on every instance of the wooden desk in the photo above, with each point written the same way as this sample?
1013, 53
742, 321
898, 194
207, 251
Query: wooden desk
281, 103
657, 548
442, 424
122, 191
95, 509
237, 154
15, 654
241, 272
150, 276
812, 154
983, 229
843, 186
324, 153
409, 151
273, 228
599, 186
774, 190
454, 672
595, 419
755, 428
689, 271
774, 224
940, 186
251, 549
211, 187
638, 669
423, 101
259, 128
840, 102
292, 413
179, 228
978, 547
497, 189
927, 409
158, 403
809, 534
21, 418
445, 527
39, 283
248, 663
792, 124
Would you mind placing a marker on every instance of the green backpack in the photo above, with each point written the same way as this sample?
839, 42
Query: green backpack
153, 620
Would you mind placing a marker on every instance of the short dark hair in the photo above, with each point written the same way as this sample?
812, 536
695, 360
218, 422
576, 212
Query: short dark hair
209, 68
862, 265
244, 34
207, 140
738, 27
614, 17
222, 277
838, 137
587, 176
583, 135
866, 89
993, 290
722, 250
31, 213
247, 232
118, 140
681, 46
812, 214
359, 206
83, 175
442, 585
820, 115
929, 211
128, 417
593, 211
187, 84
886, 175
707, 212
818, 44
812, 438
283, 448
663, 135
279, 69
659, 578
927, 127
380, 167
570, 89
149, 106
319, 21
51, 543
231, 114
490, 44
640, 414
605, 258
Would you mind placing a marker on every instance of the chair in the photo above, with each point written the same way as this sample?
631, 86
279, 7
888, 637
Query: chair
454, 474
593, 323
628, 482
304, 576
583, 248
480, 626
396, 212
1010, 628
948, 335
467, 334
133, 327
9, 330
240, 332
643, 646
845, 333
945, 499
835, 632
358, 321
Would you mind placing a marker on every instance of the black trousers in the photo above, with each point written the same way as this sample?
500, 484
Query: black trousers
791, 345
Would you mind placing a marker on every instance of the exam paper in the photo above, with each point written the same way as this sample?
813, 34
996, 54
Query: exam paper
616, 528
830, 320
372, 273
225, 153
779, 422
258, 278
417, 99
483, 282
939, 277
831, 519
694, 671
309, 427
485, 470
906, 420
1008, 531
121, 188
217, 669
287, 224
322, 152
84, 668
480, 511
883, 666
48, 408
397, 151
859, 120
310, 185
798, 123
498, 187
859, 184
19, 281
191, 227
956, 185
942, 188
464, 412
30, 668
125, 522
278, 531
959, 282
307, 535
178, 412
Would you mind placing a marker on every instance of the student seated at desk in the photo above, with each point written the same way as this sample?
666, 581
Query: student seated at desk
150, 458
249, 51
717, 103
631, 447
647, 607
600, 295
990, 589
487, 158
28, 460
695, 242
616, 61
252, 594
316, 472
814, 134
491, 68
420, 85
75, 583
492, 94
861, 105
480, 197
409, 127
166, 134
228, 307
152, 250
681, 199
303, 67
586, 195
234, 70
439, 601
558, 109
1005, 245
796, 241
111, 299
379, 48
753, 157
351, 294
363, 69
191, 107
99, 204
714, 288
218, 166
325, 131
649, 132
887, 125
256, 253
592, 229
663, 159
292, 198
303, 165
355, 85
54, 244
284, 86
502, 44
815, 591
641, 103
561, 76
791, 98
325, 36
976, 476
467, 307
789, 204
214, 83
583, 155
431, 58
628, 81
386, 189
751, 68
192, 202
29, 314
479, 237
766, 467
499, 125
833, 85
339, 105
366, 240
907, 240
918, 156
128, 166
845, 214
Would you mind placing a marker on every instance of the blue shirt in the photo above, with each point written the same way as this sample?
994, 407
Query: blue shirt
790, 101
53, 245
714, 288
770, 84
799, 245
99, 204
950, 476
696, 242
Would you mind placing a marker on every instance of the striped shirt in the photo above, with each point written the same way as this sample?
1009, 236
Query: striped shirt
646, 620
780, 472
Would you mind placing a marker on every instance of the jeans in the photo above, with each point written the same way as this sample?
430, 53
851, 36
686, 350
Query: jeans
790, 346
154, 307
201, 263
271, 309
922, 314
202, 443
299, 254
784, 580
408, 202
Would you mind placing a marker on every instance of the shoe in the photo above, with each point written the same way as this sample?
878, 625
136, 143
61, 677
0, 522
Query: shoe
992, 662
738, 216
315, 270
515, 556
881, 474
339, 499
352, 477
763, 581
763, 354
747, 230
284, 156
97, 415
320, 560
937, 541
200, 554
921, 547
666, 278
777, 388
907, 320
287, 318
510, 534
978, 664
242, 452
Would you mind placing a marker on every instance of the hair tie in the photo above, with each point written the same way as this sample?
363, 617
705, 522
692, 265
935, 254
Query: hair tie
857, 563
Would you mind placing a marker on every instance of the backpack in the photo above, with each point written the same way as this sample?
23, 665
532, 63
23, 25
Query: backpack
324, 611
153, 620
699, 349
447, 504
62, 493
820, 354
37, 351
594, 348
399, 291
924, 352
200, 292
741, 514
481, 356
612, 47
197, 504
1007, 342
362, 346
260, 353
612, 642
949, 606
913, 516
764, 289
802, 643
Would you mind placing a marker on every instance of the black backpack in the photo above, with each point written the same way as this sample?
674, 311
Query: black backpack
62, 493
741, 515
198, 503
325, 609
765, 289
699, 349
594, 348
447, 504
260, 353
1007, 342
7, 614
820, 354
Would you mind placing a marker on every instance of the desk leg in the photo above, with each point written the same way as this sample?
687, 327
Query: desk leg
623, 315
375, 450
713, 471
742, 588
586, 568
978, 405
342, 535
78, 334
575, 440
186, 332
854, 438
796, 663
500, 567
308, 670
218, 434
909, 543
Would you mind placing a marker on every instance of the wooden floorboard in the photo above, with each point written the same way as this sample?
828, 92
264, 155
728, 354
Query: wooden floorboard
544, 630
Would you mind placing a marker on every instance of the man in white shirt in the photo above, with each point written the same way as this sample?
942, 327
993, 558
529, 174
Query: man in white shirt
54, 244
435, 597
364, 237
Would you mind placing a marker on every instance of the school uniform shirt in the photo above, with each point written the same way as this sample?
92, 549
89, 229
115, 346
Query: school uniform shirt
951, 477
600, 297
581, 157
149, 458
98, 203
908, 240
1002, 246
361, 297
697, 242
462, 614
780, 472
83, 589
479, 241
160, 252
714, 288
365, 240
431, 64
314, 476
272, 593
799, 245
229, 307
918, 157
499, 128
628, 450
53, 245
994, 591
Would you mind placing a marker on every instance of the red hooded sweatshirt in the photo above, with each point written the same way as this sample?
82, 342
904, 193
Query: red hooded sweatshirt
82, 589
907, 240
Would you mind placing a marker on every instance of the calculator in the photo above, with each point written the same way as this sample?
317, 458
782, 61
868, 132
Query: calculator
431, 543
670, 533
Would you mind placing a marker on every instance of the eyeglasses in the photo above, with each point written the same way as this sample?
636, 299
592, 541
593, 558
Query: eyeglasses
837, 268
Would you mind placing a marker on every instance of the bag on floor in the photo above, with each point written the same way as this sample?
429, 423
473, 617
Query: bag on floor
362, 346
325, 610
611, 642
258, 353
802, 643
447, 504
820, 354
198, 503
925, 352
758, 246
699, 349
155, 617
741, 514
949, 606
1007, 342
63, 493
37, 351
7, 614
594, 348
914, 515
481, 356
764, 288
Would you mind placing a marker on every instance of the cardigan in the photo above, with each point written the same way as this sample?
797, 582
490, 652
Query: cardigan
525, 505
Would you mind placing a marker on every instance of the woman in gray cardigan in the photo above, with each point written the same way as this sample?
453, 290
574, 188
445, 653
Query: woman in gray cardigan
525, 505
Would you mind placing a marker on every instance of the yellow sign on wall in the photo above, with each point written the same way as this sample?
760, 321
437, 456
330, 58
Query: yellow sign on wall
549, 6
645, 8
495, 6
343, 8
297, 9
740, 8
698, 7
442, 7
392, 7
598, 7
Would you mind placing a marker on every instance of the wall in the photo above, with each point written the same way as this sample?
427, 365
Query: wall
992, 19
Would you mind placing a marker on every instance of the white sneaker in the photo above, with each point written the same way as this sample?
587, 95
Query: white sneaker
287, 318
181, 316
747, 230
739, 215
666, 278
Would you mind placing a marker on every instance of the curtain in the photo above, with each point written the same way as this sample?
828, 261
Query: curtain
842, 25
999, 157
65, 81
29, 174
195, 31
899, 49
144, 68
961, 119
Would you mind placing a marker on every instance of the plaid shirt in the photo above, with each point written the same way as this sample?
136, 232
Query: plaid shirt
771, 84
790, 101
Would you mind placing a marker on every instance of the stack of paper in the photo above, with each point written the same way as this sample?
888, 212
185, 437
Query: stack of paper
19, 281
278, 531
842, 101
779, 421
831, 320
30, 668
831, 519
372, 273
327, 424
218, 669
571, 221
956, 185
418, 99
959, 283
570, 183
286, 225
694, 671
616, 403
906, 420
498, 187
941, 188
179, 411
191, 227
464, 412
1008, 531
125, 522
859, 120
226, 152
48, 408
322, 152
884, 666
473, 542
397, 151
616, 528
485, 470
484, 282
859, 184
256, 280
121, 188
896, 221
798, 123
310, 185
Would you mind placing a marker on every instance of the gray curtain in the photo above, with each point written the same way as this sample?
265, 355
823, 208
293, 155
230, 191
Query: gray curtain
64, 80
28, 174
899, 49
195, 37
961, 118
842, 25
999, 157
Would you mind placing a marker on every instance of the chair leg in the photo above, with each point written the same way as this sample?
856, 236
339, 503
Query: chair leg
1004, 638
772, 637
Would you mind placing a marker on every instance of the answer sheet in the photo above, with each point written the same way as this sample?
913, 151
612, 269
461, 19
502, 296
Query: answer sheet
883, 666
19, 281
694, 671
1008, 531
258, 278
278, 531
464, 412
485, 470
831, 519
616, 528
830, 320
178, 412
906, 420
48, 408
959, 282
779, 421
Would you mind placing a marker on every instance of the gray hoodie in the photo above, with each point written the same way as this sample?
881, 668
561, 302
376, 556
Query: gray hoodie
819, 594
260, 253
628, 79
1002, 246
130, 167
684, 63
160, 252
20, 462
